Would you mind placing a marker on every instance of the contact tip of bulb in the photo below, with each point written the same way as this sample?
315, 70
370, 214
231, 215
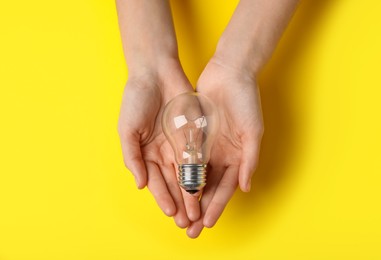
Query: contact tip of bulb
192, 191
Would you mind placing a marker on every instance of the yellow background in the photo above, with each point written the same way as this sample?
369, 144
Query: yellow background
64, 192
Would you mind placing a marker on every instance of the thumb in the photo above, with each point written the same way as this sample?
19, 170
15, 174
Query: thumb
133, 159
249, 162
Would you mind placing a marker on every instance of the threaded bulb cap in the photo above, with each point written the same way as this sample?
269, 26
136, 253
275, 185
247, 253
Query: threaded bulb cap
192, 177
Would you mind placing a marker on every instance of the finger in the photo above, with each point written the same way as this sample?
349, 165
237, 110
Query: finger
159, 190
181, 218
192, 205
133, 160
249, 162
195, 229
214, 177
223, 194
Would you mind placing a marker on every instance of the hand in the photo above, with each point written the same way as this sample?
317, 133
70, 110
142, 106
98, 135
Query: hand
234, 155
146, 151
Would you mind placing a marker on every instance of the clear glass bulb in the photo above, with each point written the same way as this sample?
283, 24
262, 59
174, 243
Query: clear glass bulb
190, 122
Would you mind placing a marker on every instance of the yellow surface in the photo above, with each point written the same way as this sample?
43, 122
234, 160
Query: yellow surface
64, 192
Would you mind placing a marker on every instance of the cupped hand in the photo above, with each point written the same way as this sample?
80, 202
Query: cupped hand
147, 153
235, 152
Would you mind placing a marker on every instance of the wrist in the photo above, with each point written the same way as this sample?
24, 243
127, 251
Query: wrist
163, 73
156, 66
240, 55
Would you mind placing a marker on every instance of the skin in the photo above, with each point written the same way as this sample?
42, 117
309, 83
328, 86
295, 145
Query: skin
156, 76
230, 78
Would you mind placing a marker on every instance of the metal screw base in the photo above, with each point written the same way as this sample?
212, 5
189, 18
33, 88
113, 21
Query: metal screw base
192, 177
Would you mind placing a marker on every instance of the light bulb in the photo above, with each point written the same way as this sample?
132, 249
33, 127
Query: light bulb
190, 122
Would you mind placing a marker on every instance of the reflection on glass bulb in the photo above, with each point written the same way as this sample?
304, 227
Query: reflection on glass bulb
190, 123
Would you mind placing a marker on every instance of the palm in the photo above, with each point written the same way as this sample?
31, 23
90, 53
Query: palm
144, 116
235, 152
146, 151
